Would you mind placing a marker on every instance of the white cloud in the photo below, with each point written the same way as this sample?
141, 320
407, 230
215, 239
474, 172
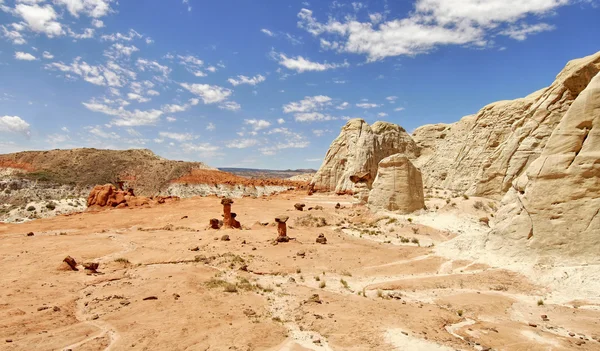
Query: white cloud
398, 109
144, 65
230, 106
111, 75
209, 94
367, 105
211, 126
137, 97
119, 50
174, 108
14, 124
41, 19
267, 32
13, 35
88, 33
242, 143
125, 118
319, 132
24, 56
309, 103
212, 69
97, 23
312, 117
91, 8
47, 55
257, 124
171, 119
177, 136
432, 23
382, 114
204, 149
281, 121
300, 64
247, 80
391, 99
99, 132
129, 36
343, 106
523, 31
313, 160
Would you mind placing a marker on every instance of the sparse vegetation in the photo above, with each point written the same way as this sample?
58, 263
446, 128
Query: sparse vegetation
380, 293
415, 241
540, 302
344, 284
317, 278
31, 208
121, 260
346, 273
409, 220
51, 206
460, 313
322, 284
466, 197
478, 205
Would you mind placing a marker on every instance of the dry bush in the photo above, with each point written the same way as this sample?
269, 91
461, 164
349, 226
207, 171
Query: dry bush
310, 221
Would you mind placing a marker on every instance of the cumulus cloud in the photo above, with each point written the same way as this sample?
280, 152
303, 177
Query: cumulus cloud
257, 124
47, 55
24, 56
342, 106
432, 23
247, 80
312, 117
91, 8
211, 126
267, 32
13, 34
111, 74
230, 106
41, 19
309, 103
203, 149
14, 124
209, 94
125, 118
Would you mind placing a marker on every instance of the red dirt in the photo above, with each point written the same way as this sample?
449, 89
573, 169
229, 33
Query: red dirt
8, 163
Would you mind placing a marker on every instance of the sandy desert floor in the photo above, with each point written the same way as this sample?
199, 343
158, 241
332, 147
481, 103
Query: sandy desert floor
165, 282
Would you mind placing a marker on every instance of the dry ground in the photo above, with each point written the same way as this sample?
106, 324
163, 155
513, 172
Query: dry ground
376, 291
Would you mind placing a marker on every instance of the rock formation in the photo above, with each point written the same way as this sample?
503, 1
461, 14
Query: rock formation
482, 154
107, 196
299, 206
226, 212
321, 239
214, 224
361, 186
282, 228
398, 186
357, 149
553, 208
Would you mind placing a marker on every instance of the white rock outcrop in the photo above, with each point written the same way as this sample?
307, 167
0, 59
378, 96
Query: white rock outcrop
398, 186
483, 154
358, 149
553, 209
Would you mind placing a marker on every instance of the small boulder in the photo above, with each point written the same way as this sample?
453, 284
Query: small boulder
283, 239
225, 238
321, 239
338, 206
299, 206
71, 262
30, 234
91, 266
282, 219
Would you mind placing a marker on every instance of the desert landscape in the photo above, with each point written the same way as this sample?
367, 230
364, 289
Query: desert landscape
478, 235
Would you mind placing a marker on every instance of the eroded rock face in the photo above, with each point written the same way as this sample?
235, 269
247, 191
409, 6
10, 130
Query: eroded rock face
107, 196
398, 186
484, 153
553, 209
358, 150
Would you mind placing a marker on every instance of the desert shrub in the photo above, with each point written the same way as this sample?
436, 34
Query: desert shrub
380, 294
322, 285
409, 220
485, 220
415, 241
460, 313
122, 260
404, 240
344, 283
478, 205
51, 206
31, 208
310, 221
540, 302
448, 201
466, 197
230, 288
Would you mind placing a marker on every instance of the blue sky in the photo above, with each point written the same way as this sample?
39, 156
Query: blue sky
267, 84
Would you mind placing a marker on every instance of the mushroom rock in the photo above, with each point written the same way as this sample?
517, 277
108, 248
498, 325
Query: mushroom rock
398, 186
226, 212
282, 228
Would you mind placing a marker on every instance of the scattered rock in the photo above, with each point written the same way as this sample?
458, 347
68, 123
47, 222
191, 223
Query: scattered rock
43, 308
124, 302
195, 248
321, 239
30, 234
545, 318
71, 262
225, 238
214, 224
249, 312
314, 298
301, 253
318, 208
533, 325
91, 266
150, 298
299, 206
338, 206
8, 340
176, 296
